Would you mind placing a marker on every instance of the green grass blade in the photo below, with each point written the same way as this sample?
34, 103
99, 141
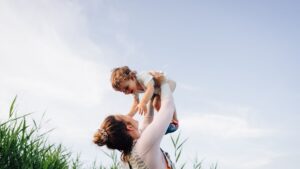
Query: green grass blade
11, 109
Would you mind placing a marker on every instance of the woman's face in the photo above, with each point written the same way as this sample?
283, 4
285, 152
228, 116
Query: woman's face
132, 125
128, 120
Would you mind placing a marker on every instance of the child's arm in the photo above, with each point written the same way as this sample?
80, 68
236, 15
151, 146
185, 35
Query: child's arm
133, 108
141, 107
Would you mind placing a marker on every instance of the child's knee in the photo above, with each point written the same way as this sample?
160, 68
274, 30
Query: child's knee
156, 103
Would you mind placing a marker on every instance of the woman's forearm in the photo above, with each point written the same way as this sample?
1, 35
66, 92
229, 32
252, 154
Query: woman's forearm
148, 117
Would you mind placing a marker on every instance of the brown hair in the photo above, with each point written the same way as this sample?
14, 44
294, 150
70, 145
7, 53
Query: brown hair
121, 74
114, 135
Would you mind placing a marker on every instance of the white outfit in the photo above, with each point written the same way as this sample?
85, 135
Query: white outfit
147, 147
145, 77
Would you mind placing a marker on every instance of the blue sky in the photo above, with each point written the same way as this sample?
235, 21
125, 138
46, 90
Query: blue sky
236, 64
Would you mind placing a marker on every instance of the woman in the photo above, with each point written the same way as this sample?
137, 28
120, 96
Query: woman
140, 149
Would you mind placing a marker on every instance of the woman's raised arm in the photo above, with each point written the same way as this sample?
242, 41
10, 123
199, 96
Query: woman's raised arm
153, 134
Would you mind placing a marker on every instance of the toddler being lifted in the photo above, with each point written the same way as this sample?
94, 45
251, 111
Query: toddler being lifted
130, 82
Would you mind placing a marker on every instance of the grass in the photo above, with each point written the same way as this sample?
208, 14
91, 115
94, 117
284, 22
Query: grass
23, 147
178, 144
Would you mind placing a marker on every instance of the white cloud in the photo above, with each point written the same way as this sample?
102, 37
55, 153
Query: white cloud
44, 58
232, 140
38, 58
253, 159
221, 126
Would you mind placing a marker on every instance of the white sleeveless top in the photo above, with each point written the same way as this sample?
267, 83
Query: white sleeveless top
136, 162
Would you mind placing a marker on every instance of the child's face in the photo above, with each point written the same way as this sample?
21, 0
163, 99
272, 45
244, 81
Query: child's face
128, 86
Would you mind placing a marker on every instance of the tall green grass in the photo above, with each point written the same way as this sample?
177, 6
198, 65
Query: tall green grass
22, 147
178, 145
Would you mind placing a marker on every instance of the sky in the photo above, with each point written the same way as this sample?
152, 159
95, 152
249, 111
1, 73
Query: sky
236, 64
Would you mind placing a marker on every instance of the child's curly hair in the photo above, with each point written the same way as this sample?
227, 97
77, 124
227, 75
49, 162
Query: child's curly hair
121, 74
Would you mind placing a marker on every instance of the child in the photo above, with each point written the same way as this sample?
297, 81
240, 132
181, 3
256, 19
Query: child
129, 82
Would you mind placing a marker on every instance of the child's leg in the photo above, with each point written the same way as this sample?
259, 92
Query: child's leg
175, 116
150, 107
156, 102
173, 126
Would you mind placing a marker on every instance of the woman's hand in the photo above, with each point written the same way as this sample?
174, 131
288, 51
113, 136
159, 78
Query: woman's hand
159, 76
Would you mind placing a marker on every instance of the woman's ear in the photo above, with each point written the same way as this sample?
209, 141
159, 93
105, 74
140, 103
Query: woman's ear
129, 127
132, 77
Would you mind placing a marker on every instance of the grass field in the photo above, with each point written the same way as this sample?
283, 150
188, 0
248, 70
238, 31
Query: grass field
23, 147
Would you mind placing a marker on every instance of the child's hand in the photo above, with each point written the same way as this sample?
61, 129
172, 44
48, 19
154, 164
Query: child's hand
141, 108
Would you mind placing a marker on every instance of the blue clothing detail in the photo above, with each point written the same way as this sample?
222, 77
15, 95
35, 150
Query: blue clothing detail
171, 128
